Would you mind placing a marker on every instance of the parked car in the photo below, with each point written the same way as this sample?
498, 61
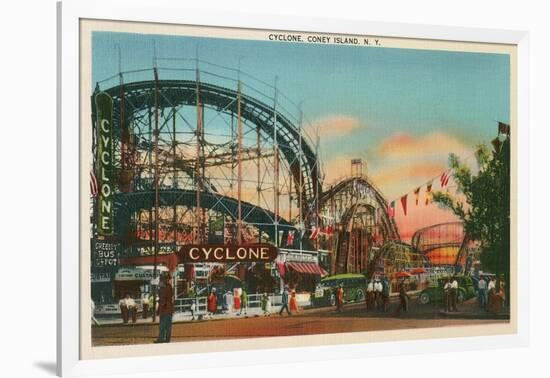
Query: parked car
355, 286
436, 293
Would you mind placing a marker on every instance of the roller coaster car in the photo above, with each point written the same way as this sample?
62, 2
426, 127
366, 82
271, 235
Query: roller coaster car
436, 293
354, 285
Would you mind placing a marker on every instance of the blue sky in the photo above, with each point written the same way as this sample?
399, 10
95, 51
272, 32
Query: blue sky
377, 97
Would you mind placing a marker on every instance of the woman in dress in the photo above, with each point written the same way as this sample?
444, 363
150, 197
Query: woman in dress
236, 299
293, 303
212, 302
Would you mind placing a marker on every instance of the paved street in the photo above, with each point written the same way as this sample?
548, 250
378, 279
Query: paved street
306, 322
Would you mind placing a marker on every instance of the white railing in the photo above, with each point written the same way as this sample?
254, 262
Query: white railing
183, 305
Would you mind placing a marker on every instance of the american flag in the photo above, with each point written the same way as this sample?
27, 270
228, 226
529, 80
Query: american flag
444, 179
93, 184
503, 128
314, 233
290, 238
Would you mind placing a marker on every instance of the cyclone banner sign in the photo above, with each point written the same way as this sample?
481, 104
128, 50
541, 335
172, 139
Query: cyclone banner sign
104, 106
222, 253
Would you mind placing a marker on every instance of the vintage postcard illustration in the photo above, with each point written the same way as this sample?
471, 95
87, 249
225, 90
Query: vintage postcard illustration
252, 184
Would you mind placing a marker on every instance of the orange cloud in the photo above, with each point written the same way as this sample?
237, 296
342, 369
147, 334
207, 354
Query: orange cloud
333, 126
403, 162
415, 172
402, 144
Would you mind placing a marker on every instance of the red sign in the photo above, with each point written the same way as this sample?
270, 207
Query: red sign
223, 253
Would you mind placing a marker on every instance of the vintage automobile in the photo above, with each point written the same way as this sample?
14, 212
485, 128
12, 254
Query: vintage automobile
354, 285
436, 293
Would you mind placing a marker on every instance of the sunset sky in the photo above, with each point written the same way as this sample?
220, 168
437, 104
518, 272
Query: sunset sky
401, 110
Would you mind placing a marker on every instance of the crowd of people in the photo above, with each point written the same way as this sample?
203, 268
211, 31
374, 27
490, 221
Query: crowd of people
129, 308
491, 296
378, 294
237, 302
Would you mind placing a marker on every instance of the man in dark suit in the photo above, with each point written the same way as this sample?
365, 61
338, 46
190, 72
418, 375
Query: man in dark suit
166, 310
284, 300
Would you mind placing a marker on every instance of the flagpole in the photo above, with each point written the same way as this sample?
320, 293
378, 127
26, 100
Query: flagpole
156, 180
301, 198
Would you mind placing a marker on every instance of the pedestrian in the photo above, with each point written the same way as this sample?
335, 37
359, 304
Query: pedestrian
264, 303
494, 303
94, 320
212, 302
244, 301
378, 293
123, 308
284, 302
482, 292
340, 298
228, 301
165, 310
192, 293
454, 294
151, 297
502, 290
491, 286
403, 298
268, 306
225, 303
128, 308
385, 294
145, 305
193, 308
293, 301
236, 299
370, 294
447, 295
132, 308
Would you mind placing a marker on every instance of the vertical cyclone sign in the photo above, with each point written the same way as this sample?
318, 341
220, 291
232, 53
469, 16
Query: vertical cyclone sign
104, 107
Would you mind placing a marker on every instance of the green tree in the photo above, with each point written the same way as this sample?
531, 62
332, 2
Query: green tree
484, 204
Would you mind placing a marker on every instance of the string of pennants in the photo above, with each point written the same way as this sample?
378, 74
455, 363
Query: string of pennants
443, 183
314, 234
502, 128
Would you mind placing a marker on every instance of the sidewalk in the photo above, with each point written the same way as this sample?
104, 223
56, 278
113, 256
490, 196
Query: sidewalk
181, 317
471, 310
476, 314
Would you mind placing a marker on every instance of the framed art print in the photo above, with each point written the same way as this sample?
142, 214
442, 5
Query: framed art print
232, 185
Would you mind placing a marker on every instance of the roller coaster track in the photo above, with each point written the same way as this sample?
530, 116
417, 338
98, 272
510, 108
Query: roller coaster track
390, 228
126, 203
296, 149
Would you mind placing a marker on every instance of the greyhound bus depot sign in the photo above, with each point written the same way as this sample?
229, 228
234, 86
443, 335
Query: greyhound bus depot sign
104, 107
105, 255
222, 253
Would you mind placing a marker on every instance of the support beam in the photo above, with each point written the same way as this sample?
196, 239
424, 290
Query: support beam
156, 181
239, 166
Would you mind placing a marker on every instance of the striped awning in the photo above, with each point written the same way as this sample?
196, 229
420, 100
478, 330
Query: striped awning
307, 268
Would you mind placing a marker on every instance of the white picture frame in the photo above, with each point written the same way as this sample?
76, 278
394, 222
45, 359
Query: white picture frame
70, 13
